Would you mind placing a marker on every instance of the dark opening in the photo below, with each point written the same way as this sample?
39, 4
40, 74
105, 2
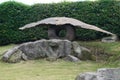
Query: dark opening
62, 32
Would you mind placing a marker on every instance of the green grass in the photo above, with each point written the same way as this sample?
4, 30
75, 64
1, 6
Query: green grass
58, 70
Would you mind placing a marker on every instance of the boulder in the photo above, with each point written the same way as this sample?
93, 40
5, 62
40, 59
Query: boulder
13, 55
71, 58
53, 48
80, 52
87, 76
114, 38
77, 49
101, 74
24, 57
108, 74
50, 49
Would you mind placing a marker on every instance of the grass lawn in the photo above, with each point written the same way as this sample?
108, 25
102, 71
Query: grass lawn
58, 70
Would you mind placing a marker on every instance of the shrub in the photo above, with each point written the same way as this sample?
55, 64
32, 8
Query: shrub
104, 14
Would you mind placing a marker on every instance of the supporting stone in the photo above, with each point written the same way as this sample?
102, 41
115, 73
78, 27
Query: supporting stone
53, 32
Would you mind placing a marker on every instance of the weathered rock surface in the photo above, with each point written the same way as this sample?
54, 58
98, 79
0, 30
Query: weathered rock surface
110, 39
49, 49
13, 55
77, 49
52, 49
108, 74
87, 76
71, 58
101, 74
80, 51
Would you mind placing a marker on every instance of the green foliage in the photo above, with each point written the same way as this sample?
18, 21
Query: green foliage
104, 14
13, 16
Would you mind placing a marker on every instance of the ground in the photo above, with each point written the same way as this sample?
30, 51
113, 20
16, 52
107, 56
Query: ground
58, 70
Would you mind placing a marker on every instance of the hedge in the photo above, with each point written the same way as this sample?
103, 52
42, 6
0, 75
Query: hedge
104, 14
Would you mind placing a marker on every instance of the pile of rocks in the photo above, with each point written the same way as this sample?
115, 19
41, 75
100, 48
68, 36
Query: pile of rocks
101, 74
50, 49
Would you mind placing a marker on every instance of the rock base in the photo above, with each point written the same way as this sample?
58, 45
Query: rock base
49, 49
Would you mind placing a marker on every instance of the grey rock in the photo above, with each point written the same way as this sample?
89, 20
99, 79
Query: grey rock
24, 57
101, 74
77, 48
71, 58
110, 39
87, 76
13, 55
67, 47
50, 49
54, 48
80, 77
80, 51
108, 74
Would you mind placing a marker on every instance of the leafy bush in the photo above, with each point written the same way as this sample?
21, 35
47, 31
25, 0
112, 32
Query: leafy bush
104, 14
